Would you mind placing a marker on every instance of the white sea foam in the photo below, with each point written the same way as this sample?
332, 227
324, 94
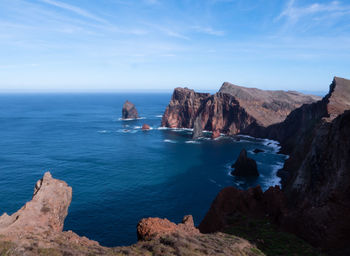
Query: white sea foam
169, 141
137, 127
159, 115
192, 142
131, 119
103, 131
163, 128
213, 181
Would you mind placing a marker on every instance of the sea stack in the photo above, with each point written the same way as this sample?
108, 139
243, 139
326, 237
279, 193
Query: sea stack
245, 166
129, 111
197, 128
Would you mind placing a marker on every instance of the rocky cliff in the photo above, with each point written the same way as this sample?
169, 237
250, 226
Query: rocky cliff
36, 229
315, 203
233, 109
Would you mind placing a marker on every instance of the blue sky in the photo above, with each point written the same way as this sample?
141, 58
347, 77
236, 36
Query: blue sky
130, 45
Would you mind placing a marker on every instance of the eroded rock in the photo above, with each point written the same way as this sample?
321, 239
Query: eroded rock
129, 111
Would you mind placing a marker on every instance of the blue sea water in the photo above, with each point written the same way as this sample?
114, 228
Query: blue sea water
119, 173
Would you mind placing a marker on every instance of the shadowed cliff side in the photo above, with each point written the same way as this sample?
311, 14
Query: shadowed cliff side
36, 229
316, 177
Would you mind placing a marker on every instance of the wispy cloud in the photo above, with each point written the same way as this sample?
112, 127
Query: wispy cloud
293, 13
208, 30
74, 9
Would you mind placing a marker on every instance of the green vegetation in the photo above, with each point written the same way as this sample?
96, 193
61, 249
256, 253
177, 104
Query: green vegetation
267, 238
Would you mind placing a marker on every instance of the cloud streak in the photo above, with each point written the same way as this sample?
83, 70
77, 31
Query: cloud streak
74, 9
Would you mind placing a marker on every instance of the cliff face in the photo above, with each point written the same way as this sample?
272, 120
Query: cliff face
232, 110
315, 179
36, 229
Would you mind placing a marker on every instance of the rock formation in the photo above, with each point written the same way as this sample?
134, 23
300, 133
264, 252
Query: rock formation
314, 202
258, 150
36, 229
215, 134
245, 166
150, 228
129, 111
197, 128
44, 213
145, 127
232, 110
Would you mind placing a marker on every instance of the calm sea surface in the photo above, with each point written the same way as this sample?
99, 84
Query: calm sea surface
118, 172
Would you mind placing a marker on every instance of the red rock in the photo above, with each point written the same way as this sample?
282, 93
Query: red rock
155, 227
215, 134
145, 127
129, 111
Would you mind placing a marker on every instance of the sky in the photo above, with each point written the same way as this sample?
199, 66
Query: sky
157, 45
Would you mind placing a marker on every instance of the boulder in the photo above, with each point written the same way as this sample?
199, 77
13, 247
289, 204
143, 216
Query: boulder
245, 166
215, 134
129, 111
145, 127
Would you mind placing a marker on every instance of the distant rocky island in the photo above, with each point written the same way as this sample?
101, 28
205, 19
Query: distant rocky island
129, 111
313, 204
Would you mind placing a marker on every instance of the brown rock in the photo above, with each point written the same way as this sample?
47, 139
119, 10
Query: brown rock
151, 228
245, 166
215, 134
145, 127
45, 212
232, 110
252, 202
129, 111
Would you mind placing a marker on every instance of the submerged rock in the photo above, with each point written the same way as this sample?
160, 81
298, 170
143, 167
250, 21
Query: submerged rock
129, 111
258, 150
245, 166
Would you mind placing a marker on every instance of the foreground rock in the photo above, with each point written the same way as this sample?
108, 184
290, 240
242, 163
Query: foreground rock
44, 213
36, 229
129, 111
245, 166
233, 109
150, 228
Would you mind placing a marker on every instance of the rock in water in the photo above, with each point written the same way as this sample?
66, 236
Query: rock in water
215, 134
258, 150
129, 111
145, 127
197, 128
245, 166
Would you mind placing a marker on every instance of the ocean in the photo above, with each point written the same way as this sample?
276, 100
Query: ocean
119, 173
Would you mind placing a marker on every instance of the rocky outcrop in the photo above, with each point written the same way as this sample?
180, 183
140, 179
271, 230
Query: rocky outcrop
215, 134
151, 228
245, 166
232, 110
36, 229
44, 213
129, 111
258, 150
